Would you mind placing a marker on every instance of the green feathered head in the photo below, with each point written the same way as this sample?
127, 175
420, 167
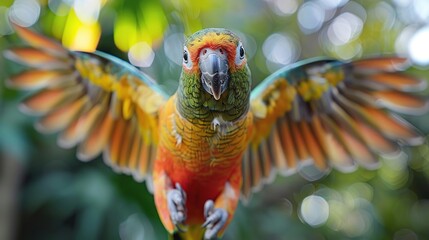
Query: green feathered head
215, 76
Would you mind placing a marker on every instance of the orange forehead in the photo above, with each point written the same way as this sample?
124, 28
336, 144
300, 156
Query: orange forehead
214, 40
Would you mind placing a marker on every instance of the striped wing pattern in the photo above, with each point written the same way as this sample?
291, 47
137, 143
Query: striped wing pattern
97, 102
331, 113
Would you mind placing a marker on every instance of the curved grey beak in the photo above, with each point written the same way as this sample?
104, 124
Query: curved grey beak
214, 71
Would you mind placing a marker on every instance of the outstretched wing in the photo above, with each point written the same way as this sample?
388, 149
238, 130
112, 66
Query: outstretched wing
331, 113
98, 102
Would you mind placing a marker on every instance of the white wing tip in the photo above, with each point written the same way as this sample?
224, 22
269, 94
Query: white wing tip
40, 128
63, 143
346, 168
25, 109
84, 157
137, 176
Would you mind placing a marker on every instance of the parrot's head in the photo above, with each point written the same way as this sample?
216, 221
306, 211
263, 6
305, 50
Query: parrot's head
215, 70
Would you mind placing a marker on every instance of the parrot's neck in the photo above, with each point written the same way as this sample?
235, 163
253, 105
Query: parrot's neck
196, 105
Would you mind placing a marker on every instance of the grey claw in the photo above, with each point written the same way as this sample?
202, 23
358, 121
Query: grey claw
176, 200
215, 220
208, 208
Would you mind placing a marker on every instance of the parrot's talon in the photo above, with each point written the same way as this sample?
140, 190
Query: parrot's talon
176, 200
208, 207
215, 220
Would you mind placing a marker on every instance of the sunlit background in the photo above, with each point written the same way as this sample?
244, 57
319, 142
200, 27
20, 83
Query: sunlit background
45, 193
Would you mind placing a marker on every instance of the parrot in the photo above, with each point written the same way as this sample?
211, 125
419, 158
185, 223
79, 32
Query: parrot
217, 140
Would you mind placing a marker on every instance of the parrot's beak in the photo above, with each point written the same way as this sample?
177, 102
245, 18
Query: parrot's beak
214, 71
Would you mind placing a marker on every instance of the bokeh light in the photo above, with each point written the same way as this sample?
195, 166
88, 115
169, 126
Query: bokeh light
314, 210
421, 8
394, 172
349, 209
357, 223
344, 28
402, 43
136, 226
283, 7
280, 49
79, 35
384, 12
171, 50
87, 11
418, 46
25, 12
402, 3
310, 17
332, 4
141, 55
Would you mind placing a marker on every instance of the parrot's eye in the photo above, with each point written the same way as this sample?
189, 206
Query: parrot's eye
240, 54
185, 56
187, 63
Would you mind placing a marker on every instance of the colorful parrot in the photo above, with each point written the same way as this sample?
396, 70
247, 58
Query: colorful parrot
215, 141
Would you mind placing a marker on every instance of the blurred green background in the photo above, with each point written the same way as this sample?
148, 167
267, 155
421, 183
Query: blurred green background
45, 193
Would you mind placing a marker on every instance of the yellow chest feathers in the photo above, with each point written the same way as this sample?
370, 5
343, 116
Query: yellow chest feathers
216, 143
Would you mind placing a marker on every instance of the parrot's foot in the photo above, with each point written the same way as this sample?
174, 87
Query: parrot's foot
215, 220
176, 200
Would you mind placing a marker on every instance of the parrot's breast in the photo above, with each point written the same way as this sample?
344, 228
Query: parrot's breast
205, 148
201, 157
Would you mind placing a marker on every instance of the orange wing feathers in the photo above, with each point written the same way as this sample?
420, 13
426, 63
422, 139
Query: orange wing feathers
332, 113
96, 101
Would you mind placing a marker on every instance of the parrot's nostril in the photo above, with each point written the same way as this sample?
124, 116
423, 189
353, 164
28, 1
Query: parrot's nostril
205, 52
220, 50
